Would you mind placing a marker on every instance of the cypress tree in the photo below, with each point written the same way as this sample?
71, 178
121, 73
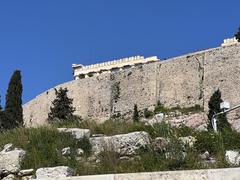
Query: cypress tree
13, 108
237, 35
135, 113
1, 116
62, 108
214, 107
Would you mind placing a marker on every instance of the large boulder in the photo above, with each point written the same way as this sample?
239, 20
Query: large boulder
124, 144
10, 159
76, 132
54, 172
232, 157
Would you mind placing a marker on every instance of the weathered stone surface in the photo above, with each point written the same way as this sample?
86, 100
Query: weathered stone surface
195, 121
54, 172
205, 174
66, 151
80, 152
232, 157
160, 144
10, 159
158, 118
8, 147
124, 144
26, 172
188, 141
182, 81
205, 156
76, 132
10, 177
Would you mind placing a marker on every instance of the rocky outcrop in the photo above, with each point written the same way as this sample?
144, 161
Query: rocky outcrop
232, 157
76, 132
54, 172
10, 159
124, 144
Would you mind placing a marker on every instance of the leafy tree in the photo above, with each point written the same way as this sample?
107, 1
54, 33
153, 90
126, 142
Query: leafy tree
13, 109
214, 107
237, 35
135, 113
62, 108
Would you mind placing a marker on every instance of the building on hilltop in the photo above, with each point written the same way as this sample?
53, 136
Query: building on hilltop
113, 88
80, 71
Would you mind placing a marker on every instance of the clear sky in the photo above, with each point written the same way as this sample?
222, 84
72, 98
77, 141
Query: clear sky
43, 38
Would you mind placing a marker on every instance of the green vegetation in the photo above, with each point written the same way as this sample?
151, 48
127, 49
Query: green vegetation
161, 109
214, 107
195, 109
115, 91
13, 116
135, 113
62, 108
44, 145
237, 35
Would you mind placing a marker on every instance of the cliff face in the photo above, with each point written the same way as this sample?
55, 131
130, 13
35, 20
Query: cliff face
181, 81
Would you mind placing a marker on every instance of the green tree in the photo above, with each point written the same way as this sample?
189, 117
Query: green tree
135, 113
13, 109
62, 108
214, 107
237, 35
1, 116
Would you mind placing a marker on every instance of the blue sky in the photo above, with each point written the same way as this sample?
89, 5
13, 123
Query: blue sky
43, 38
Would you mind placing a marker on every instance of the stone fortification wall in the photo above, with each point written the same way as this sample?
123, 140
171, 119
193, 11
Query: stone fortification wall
91, 98
181, 81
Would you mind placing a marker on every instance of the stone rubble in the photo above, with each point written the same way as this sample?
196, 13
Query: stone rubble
76, 132
124, 144
232, 157
54, 172
66, 151
10, 159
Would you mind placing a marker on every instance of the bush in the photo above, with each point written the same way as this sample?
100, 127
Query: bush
62, 108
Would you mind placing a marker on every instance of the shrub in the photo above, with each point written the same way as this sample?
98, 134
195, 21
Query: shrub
135, 113
214, 107
237, 35
147, 113
62, 108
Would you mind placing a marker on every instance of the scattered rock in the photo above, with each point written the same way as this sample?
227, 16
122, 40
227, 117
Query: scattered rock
26, 172
66, 151
28, 178
10, 177
76, 132
124, 158
97, 135
7, 148
160, 144
158, 118
123, 144
80, 152
188, 141
205, 156
54, 172
232, 157
10, 160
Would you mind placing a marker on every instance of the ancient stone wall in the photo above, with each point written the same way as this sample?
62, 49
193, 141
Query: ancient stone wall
181, 81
